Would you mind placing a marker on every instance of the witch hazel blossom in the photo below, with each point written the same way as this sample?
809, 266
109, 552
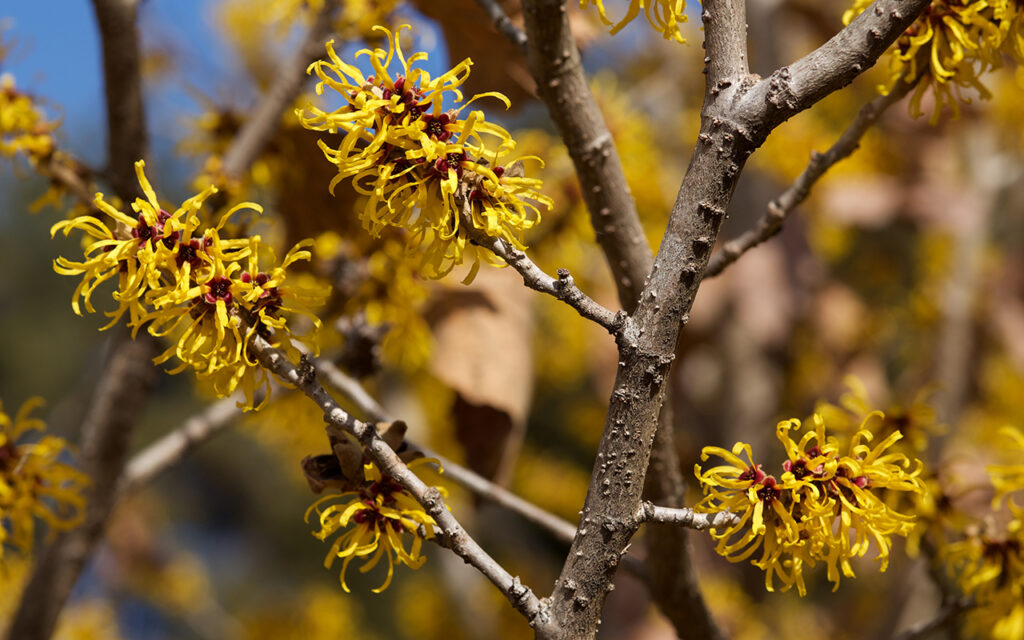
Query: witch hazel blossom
823, 506
422, 162
205, 292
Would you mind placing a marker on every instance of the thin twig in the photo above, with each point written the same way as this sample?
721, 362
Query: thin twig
685, 517
952, 610
174, 446
771, 221
503, 24
564, 287
456, 537
266, 117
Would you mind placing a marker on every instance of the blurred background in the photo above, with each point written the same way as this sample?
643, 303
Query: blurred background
903, 268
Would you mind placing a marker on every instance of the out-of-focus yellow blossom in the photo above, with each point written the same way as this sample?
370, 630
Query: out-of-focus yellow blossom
1009, 478
381, 512
355, 18
314, 612
181, 280
824, 507
664, 15
34, 483
991, 569
23, 125
916, 422
421, 167
950, 46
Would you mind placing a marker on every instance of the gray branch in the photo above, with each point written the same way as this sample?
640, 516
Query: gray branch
685, 517
564, 287
455, 536
778, 209
735, 119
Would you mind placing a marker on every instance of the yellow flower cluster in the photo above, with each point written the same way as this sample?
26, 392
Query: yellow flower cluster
950, 46
34, 483
207, 292
422, 167
380, 512
991, 569
664, 15
824, 506
23, 126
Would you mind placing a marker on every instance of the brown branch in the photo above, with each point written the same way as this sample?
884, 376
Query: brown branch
503, 24
455, 536
555, 64
266, 117
725, 42
778, 209
66, 173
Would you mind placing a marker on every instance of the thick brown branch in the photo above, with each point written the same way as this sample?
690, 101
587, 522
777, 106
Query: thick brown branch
725, 42
778, 209
502, 23
122, 76
258, 129
555, 65
455, 536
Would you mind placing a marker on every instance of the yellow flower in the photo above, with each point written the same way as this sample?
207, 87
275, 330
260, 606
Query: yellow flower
23, 126
1009, 478
664, 15
34, 483
823, 507
950, 46
205, 292
380, 513
421, 167
991, 569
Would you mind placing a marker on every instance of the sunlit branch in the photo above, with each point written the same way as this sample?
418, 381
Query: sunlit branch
685, 517
304, 377
563, 287
771, 221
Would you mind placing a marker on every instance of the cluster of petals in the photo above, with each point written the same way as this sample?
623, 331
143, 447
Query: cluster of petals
380, 516
185, 281
823, 507
420, 166
988, 563
24, 128
951, 45
664, 15
34, 483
